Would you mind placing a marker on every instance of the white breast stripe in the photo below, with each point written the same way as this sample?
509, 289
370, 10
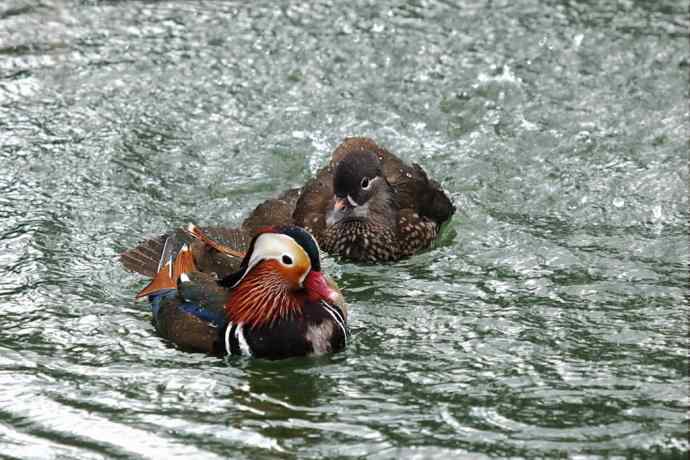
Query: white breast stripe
337, 318
335, 311
227, 338
244, 346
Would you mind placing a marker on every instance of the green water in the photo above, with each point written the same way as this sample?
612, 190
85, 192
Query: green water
550, 321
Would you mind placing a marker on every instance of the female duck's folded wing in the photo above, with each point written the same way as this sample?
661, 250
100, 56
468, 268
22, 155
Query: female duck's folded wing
423, 195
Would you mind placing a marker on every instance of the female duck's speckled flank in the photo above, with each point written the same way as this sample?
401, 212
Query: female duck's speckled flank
277, 304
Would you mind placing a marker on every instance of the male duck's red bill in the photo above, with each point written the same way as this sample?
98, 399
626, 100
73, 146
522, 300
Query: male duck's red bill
277, 305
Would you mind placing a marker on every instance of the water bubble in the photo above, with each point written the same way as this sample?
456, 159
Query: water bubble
583, 135
618, 202
577, 40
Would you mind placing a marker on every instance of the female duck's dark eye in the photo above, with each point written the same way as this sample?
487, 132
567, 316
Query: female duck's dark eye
287, 260
365, 183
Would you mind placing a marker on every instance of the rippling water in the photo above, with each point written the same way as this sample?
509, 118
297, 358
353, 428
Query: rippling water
551, 319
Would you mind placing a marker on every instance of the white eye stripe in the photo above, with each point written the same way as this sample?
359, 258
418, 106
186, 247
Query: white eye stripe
274, 246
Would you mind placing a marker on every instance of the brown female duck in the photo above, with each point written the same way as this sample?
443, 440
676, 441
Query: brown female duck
366, 205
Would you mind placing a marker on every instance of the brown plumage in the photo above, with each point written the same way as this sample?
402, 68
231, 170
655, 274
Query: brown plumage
405, 210
145, 257
278, 304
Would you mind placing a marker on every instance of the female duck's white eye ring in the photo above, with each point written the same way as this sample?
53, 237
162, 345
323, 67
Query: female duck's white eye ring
365, 183
287, 260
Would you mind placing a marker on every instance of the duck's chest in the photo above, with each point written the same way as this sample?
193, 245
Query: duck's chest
361, 241
317, 330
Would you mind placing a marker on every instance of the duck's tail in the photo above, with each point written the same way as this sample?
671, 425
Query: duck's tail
146, 257
169, 271
149, 256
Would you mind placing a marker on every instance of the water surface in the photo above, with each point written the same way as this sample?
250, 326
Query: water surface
550, 320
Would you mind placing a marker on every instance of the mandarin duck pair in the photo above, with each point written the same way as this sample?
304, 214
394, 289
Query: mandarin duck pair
258, 290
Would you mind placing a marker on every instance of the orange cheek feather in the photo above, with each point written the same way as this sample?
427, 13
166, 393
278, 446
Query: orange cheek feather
292, 274
264, 294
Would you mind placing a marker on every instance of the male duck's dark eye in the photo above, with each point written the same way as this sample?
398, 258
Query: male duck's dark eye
365, 183
287, 260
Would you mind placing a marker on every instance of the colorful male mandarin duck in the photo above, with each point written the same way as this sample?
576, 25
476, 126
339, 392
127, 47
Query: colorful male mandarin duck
277, 304
366, 205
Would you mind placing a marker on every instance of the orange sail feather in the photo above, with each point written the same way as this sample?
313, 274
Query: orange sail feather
170, 272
